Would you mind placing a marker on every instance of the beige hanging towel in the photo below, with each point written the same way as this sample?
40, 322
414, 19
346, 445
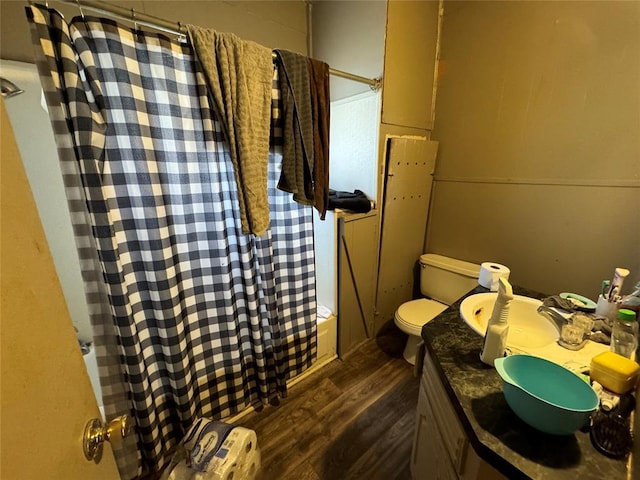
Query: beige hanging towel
239, 74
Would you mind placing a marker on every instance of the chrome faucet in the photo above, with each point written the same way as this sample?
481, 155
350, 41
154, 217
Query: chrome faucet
552, 315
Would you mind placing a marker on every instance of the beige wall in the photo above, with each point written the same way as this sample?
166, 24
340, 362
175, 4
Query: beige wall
275, 24
538, 119
409, 62
349, 36
536, 115
410, 52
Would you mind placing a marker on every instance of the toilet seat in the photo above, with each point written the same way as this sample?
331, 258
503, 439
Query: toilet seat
411, 316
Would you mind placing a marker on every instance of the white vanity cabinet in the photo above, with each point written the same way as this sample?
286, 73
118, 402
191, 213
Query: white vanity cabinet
441, 449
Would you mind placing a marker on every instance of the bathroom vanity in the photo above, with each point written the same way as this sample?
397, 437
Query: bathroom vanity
466, 430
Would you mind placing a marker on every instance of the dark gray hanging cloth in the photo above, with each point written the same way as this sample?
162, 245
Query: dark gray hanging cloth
304, 89
297, 112
320, 103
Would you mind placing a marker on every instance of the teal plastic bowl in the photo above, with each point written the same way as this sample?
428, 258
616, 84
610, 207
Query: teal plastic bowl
545, 395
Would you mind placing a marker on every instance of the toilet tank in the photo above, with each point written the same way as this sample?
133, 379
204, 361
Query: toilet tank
446, 279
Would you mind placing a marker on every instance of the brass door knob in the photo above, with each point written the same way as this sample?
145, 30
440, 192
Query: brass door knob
96, 433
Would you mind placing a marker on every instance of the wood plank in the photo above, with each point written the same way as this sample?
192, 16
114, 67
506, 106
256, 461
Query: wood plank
358, 364
298, 405
382, 459
281, 429
410, 166
352, 419
372, 441
304, 471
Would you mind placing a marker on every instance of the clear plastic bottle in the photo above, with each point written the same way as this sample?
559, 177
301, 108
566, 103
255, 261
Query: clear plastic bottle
624, 337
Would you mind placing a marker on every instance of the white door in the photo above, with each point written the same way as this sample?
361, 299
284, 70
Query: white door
46, 394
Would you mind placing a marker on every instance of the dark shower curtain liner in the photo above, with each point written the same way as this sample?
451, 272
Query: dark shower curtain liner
207, 320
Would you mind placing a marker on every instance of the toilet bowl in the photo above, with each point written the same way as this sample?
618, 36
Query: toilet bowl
443, 280
411, 317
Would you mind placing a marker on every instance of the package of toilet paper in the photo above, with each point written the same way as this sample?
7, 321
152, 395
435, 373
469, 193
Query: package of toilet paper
237, 458
203, 440
214, 450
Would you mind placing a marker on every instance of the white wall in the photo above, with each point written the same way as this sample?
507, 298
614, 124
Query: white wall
353, 155
354, 143
324, 233
349, 36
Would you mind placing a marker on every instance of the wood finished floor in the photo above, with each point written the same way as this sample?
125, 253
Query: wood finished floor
354, 419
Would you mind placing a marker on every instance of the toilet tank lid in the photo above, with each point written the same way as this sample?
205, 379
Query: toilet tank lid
452, 264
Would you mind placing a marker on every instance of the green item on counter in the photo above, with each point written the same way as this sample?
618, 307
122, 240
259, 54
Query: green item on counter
585, 378
626, 315
545, 395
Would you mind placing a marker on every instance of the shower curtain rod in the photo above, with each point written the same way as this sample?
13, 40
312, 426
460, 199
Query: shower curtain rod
176, 28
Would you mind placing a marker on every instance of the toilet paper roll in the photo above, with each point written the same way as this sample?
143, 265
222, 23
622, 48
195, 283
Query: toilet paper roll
220, 451
490, 273
251, 466
235, 455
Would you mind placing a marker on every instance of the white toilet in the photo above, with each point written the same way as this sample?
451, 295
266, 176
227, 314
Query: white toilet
444, 280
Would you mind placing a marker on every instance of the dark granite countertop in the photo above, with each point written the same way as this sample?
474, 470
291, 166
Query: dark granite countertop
496, 433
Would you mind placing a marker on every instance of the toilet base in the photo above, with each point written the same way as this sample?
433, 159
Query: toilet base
411, 349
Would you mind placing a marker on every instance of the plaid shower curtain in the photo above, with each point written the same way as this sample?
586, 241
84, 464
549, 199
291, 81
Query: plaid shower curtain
192, 318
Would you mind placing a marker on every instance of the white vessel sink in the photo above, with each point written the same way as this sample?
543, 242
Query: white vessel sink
529, 331
527, 328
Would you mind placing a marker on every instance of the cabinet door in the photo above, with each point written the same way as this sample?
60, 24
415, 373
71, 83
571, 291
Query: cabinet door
429, 457
409, 63
357, 279
451, 431
477, 469
439, 427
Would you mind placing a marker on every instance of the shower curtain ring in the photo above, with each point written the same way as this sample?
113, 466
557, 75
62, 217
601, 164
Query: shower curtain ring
133, 19
182, 37
80, 8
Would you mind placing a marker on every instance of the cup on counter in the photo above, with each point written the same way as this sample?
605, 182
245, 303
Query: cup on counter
574, 333
605, 308
571, 336
583, 321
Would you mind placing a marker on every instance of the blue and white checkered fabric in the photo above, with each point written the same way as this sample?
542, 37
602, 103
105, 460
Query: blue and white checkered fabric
207, 320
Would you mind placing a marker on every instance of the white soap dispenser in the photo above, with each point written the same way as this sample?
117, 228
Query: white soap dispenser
495, 339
